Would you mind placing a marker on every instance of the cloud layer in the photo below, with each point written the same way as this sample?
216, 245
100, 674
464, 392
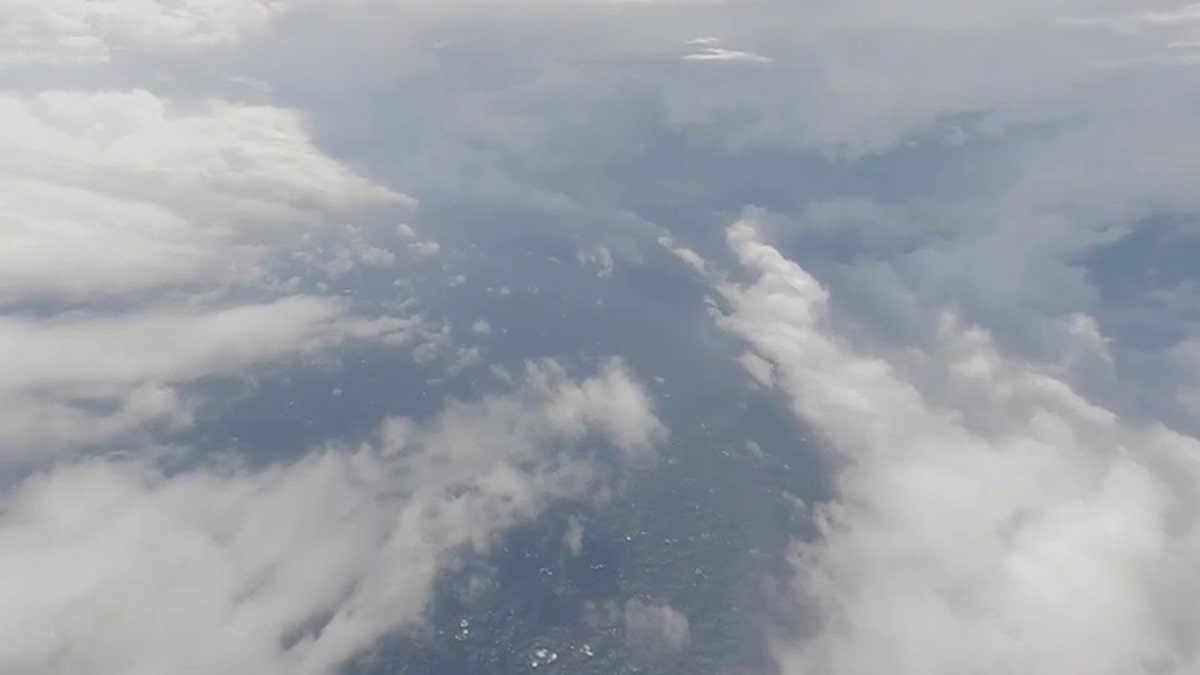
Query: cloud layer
989, 519
151, 240
202, 190
120, 567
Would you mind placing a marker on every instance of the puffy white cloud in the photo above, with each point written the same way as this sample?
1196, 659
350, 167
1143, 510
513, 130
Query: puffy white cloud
656, 628
989, 519
118, 191
725, 54
1069, 114
120, 567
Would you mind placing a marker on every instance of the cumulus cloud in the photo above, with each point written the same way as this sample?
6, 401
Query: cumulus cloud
122, 567
656, 628
989, 518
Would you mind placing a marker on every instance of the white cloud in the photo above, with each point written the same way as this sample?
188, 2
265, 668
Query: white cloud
989, 519
114, 192
84, 31
118, 567
1185, 15
573, 536
436, 347
723, 54
146, 215
137, 199
612, 402
57, 371
687, 255
758, 367
597, 257
425, 248
656, 627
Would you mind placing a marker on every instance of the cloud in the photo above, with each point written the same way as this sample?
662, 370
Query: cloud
172, 192
150, 241
573, 536
722, 54
80, 32
989, 518
122, 567
597, 257
162, 226
656, 628
63, 373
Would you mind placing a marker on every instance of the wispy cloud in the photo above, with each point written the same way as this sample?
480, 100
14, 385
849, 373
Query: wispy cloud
291, 569
723, 54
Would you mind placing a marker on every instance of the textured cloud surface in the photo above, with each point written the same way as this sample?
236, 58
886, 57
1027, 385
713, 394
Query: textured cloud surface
989, 519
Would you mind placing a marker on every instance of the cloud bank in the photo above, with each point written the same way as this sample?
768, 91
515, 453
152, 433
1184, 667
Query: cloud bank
988, 519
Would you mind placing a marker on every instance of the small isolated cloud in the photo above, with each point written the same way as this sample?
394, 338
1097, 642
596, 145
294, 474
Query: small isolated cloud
73, 32
61, 373
436, 346
598, 258
425, 248
655, 628
711, 51
481, 327
573, 536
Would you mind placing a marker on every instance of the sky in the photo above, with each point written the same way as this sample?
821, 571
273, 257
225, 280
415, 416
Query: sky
309, 308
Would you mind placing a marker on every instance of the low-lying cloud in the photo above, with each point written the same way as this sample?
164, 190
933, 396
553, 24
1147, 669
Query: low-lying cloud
121, 566
989, 518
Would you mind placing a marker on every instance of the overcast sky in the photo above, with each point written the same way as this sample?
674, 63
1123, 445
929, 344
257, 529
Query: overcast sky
955, 239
